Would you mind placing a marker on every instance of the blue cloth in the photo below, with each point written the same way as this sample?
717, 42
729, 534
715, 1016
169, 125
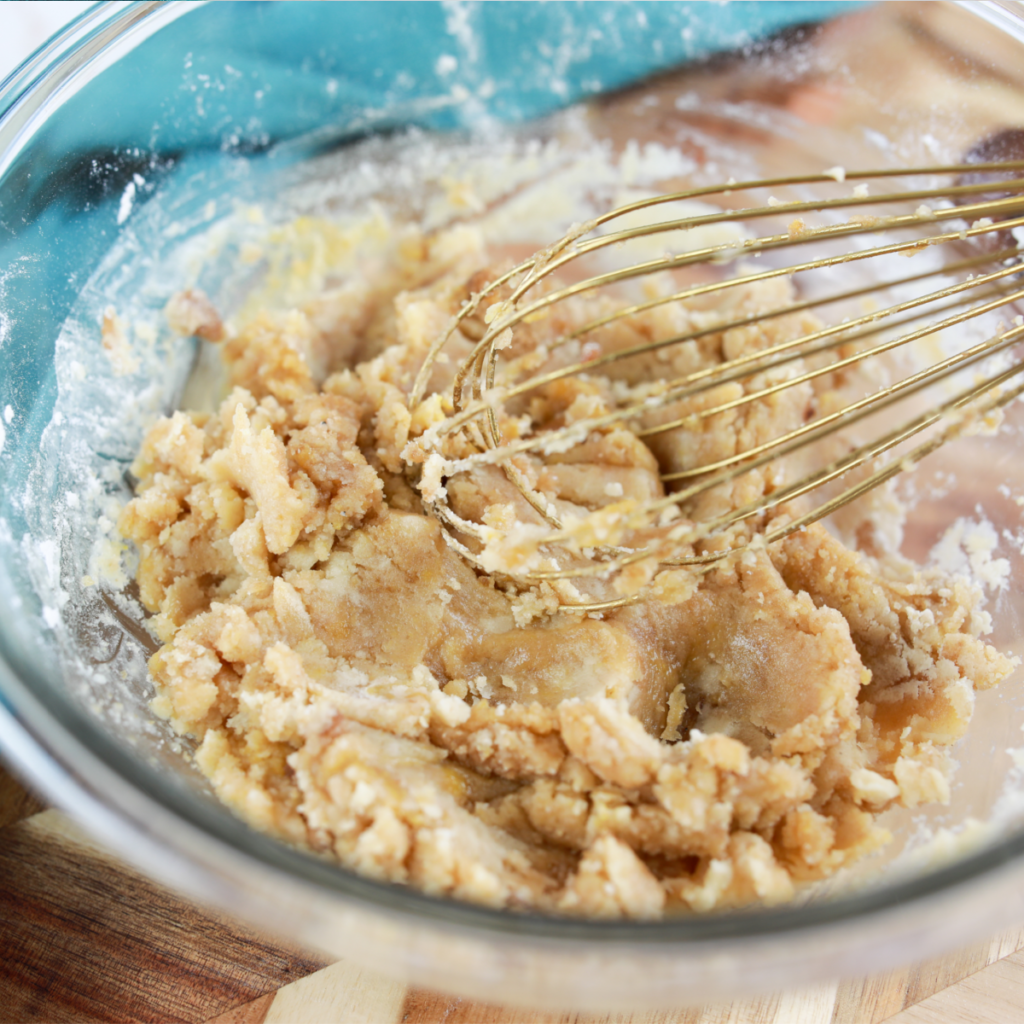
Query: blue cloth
245, 74
229, 84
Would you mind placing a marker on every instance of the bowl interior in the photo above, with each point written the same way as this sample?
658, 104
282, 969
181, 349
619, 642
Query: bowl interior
242, 127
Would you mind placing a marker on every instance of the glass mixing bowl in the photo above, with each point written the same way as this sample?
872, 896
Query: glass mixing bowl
134, 149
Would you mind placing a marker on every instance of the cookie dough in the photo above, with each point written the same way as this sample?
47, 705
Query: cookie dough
355, 687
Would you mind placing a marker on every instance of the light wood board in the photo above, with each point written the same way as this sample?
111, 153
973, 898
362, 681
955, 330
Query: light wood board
86, 939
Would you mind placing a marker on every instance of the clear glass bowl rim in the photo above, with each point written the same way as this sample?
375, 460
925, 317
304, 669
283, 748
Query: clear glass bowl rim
55, 745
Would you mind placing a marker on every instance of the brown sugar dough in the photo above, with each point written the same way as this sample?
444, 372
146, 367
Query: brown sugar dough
354, 687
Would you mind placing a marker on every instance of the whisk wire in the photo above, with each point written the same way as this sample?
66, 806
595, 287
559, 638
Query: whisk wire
478, 396
652, 266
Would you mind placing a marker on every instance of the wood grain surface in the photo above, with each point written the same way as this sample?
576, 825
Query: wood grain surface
87, 939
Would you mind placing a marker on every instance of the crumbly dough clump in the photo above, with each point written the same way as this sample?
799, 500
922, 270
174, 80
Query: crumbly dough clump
355, 687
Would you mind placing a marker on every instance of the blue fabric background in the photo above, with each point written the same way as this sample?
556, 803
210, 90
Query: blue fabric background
239, 88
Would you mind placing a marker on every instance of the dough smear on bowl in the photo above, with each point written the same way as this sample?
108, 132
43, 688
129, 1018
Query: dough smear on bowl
355, 687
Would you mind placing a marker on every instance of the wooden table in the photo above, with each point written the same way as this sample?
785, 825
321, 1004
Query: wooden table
86, 939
